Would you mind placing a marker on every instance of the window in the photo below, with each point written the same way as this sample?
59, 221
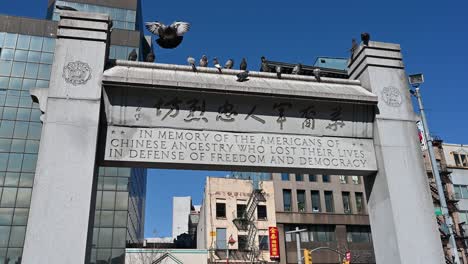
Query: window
263, 243
299, 177
359, 202
346, 203
220, 210
315, 195
457, 191
463, 218
358, 234
304, 236
301, 201
329, 206
315, 233
261, 212
461, 160
221, 242
322, 233
439, 165
325, 178
312, 177
355, 179
243, 242
461, 191
241, 210
285, 176
287, 200
343, 179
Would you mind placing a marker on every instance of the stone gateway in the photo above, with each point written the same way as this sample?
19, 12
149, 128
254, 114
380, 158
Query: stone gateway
157, 115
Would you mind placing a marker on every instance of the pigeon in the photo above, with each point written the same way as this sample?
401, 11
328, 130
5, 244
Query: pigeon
150, 57
217, 65
203, 61
133, 55
264, 67
297, 69
243, 76
229, 64
67, 8
316, 72
354, 47
243, 65
365, 37
169, 36
191, 62
278, 71
111, 26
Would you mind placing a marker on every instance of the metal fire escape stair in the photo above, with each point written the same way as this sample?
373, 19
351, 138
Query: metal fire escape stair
247, 222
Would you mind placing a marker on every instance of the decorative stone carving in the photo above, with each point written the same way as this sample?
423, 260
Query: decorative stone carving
77, 73
392, 96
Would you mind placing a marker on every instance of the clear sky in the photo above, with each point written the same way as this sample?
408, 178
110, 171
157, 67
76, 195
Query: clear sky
433, 36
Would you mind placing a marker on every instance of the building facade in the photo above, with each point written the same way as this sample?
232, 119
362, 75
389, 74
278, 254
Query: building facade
26, 56
454, 159
225, 201
332, 208
181, 208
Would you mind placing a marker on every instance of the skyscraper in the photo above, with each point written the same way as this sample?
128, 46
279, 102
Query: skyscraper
26, 56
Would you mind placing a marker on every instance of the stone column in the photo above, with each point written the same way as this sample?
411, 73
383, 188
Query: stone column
404, 227
62, 205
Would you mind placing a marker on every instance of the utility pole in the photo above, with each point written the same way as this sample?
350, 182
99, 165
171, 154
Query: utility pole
415, 81
298, 242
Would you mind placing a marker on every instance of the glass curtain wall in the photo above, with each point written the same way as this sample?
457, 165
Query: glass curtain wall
25, 62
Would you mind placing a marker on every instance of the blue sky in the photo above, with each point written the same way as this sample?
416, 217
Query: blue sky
433, 36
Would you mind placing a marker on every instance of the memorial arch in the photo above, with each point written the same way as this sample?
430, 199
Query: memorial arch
122, 113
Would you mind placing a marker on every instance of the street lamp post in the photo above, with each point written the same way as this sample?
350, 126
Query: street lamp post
298, 242
416, 80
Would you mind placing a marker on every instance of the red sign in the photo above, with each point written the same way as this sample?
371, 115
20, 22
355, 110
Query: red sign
348, 256
274, 242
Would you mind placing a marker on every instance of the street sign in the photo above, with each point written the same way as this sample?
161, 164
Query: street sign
274, 242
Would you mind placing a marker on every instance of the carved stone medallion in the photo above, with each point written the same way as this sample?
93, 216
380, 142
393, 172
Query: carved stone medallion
392, 96
77, 73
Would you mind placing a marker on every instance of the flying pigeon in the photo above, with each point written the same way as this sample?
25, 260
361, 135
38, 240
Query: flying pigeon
264, 67
297, 69
365, 37
229, 64
217, 65
278, 72
150, 57
132, 56
169, 36
203, 61
67, 8
243, 65
191, 62
243, 76
317, 74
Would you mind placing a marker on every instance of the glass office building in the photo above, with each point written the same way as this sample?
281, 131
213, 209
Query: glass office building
25, 62
26, 57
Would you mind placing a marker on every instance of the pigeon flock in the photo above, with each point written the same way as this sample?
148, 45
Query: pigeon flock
170, 37
244, 74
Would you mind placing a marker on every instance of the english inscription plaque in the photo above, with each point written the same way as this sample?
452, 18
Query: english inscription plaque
166, 145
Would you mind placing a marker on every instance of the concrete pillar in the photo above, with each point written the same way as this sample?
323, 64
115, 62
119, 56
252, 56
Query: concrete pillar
62, 204
401, 213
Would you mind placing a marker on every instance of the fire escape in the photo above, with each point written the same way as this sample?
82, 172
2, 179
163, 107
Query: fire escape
452, 208
246, 221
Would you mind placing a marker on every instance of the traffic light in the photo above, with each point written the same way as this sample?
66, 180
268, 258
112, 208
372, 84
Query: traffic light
307, 256
347, 258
